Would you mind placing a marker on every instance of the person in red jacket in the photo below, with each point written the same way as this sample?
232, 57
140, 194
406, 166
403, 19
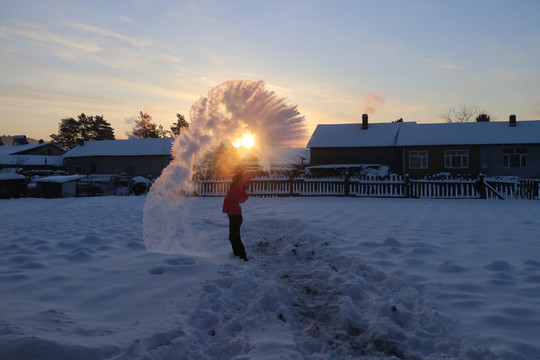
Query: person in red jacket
231, 206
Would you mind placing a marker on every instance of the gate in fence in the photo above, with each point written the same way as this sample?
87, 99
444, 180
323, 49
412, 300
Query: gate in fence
394, 187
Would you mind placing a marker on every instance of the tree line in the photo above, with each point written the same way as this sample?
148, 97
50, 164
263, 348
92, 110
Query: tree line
465, 113
92, 128
97, 128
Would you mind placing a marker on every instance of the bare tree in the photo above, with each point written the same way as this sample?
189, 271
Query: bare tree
462, 113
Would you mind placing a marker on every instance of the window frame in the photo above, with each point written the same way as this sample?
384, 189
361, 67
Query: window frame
421, 156
452, 157
515, 158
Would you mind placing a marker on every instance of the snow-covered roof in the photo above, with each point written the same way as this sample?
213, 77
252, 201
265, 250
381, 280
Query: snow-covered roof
352, 135
413, 134
59, 178
474, 133
129, 147
4, 177
289, 156
15, 149
33, 160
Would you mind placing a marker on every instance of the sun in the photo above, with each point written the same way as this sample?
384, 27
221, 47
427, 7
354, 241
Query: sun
247, 141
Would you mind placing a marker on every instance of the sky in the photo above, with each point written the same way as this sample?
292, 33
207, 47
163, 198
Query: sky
335, 60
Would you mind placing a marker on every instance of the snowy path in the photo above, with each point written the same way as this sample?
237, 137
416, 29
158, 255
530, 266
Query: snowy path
298, 298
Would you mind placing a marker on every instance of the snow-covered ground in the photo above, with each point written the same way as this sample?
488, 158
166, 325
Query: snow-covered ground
328, 278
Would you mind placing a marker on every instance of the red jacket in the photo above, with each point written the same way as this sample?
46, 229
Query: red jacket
236, 195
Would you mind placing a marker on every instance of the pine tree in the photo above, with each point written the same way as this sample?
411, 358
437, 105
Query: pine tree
86, 128
181, 122
144, 127
101, 129
68, 133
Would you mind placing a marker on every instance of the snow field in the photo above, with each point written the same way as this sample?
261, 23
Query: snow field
327, 278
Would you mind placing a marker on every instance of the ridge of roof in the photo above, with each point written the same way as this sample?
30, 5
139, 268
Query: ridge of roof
15, 149
413, 134
123, 147
473, 133
352, 135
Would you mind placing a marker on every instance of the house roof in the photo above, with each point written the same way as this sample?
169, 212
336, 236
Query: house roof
26, 160
352, 135
413, 134
129, 147
288, 156
16, 149
474, 133
58, 178
11, 176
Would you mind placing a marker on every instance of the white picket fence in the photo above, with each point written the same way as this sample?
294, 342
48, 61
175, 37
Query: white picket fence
457, 189
394, 186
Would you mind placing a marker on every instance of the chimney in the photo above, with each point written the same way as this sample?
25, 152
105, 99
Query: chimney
20, 140
80, 142
483, 118
364, 121
512, 120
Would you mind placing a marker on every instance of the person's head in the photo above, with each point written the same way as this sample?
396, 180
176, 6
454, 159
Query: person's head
237, 176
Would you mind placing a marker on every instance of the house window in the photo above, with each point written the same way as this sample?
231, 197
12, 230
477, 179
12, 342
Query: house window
456, 159
418, 159
515, 158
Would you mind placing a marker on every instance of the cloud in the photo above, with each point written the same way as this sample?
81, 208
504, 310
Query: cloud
106, 33
55, 41
85, 44
208, 81
448, 66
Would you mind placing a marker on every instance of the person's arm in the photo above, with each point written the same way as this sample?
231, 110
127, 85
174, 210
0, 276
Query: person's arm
248, 176
244, 196
245, 179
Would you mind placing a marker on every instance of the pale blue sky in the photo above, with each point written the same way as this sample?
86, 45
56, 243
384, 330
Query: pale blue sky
413, 58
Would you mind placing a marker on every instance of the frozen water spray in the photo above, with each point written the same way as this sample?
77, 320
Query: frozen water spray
229, 112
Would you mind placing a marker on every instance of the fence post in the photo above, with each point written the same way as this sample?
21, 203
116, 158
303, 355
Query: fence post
291, 179
346, 184
407, 186
481, 187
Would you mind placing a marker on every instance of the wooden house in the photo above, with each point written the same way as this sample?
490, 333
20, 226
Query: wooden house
25, 156
56, 186
357, 144
12, 185
146, 157
491, 148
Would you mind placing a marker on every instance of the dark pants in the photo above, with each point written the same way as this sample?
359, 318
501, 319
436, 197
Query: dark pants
235, 221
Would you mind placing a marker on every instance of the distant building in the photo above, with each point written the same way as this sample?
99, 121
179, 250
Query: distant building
12, 185
20, 140
491, 148
56, 186
357, 144
25, 156
132, 156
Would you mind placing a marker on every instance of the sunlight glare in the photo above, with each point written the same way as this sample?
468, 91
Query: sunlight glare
247, 141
